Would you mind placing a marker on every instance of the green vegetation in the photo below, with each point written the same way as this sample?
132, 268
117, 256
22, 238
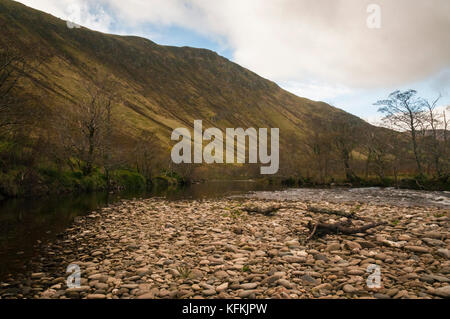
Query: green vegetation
184, 272
22, 181
83, 111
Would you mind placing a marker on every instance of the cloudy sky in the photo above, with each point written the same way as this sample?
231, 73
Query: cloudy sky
348, 53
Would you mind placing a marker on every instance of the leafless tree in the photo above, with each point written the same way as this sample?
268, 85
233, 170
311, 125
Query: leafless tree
432, 124
145, 154
319, 148
404, 111
345, 133
87, 129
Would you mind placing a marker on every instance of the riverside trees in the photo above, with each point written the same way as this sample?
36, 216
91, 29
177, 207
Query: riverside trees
86, 131
427, 128
411, 145
404, 111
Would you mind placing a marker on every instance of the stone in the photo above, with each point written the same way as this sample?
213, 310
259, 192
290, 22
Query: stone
196, 273
222, 287
37, 275
99, 277
333, 247
78, 289
209, 292
249, 286
430, 278
417, 249
381, 296
380, 256
352, 245
321, 257
294, 259
309, 280
442, 292
443, 252
147, 295
324, 286
221, 274
129, 286
349, 288
285, 283
100, 285
158, 248
96, 296
246, 293
142, 271
435, 235
271, 279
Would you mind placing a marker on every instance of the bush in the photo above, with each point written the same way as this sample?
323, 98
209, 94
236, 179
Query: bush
289, 182
93, 182
129, 180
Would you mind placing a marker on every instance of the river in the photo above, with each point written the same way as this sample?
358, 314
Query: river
24, 223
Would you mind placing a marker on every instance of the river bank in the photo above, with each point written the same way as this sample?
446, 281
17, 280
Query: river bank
155, 248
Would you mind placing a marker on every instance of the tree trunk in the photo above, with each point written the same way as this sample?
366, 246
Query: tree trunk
90, 157
415, 149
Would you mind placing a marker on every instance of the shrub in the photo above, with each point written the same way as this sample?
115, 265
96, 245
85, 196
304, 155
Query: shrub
129, 180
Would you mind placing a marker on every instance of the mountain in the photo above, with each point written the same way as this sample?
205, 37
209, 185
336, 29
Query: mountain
160, 87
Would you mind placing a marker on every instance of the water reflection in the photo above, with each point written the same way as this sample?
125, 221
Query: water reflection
24, 222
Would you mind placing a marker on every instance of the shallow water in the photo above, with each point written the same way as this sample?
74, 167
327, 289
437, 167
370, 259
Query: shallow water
26, 222
370, 195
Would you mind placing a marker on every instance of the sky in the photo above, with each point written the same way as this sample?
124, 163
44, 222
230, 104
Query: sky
348, 53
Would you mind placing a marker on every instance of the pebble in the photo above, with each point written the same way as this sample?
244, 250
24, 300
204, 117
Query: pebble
417, 249
349, 289
96, 296
155, 248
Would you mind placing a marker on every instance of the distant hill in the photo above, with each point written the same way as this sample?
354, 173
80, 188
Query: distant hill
160, 87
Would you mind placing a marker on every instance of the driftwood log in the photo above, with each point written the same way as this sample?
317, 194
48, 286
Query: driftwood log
319, 210
321, 229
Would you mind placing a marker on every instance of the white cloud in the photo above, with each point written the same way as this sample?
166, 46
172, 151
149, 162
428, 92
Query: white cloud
90, 14
315, 90
297, 41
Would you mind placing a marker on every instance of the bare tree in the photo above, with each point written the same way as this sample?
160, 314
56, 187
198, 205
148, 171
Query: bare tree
145, 154
404, 111
345, 133
445, 141
319, 147
87, 130
377, 153
433, 122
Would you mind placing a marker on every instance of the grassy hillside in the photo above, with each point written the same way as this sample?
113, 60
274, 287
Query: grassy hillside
160, 87
157, 89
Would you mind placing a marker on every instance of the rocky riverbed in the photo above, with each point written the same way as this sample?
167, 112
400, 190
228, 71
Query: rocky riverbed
156, 248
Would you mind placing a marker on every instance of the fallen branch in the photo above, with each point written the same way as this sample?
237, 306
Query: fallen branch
318, 210
312, 233
321, 229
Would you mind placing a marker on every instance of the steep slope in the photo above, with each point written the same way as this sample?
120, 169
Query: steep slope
160, 87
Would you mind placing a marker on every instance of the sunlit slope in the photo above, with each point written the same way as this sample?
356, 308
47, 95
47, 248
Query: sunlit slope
160, 87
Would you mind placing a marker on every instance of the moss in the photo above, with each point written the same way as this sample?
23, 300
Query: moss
93, 182
129, 180
167, 179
